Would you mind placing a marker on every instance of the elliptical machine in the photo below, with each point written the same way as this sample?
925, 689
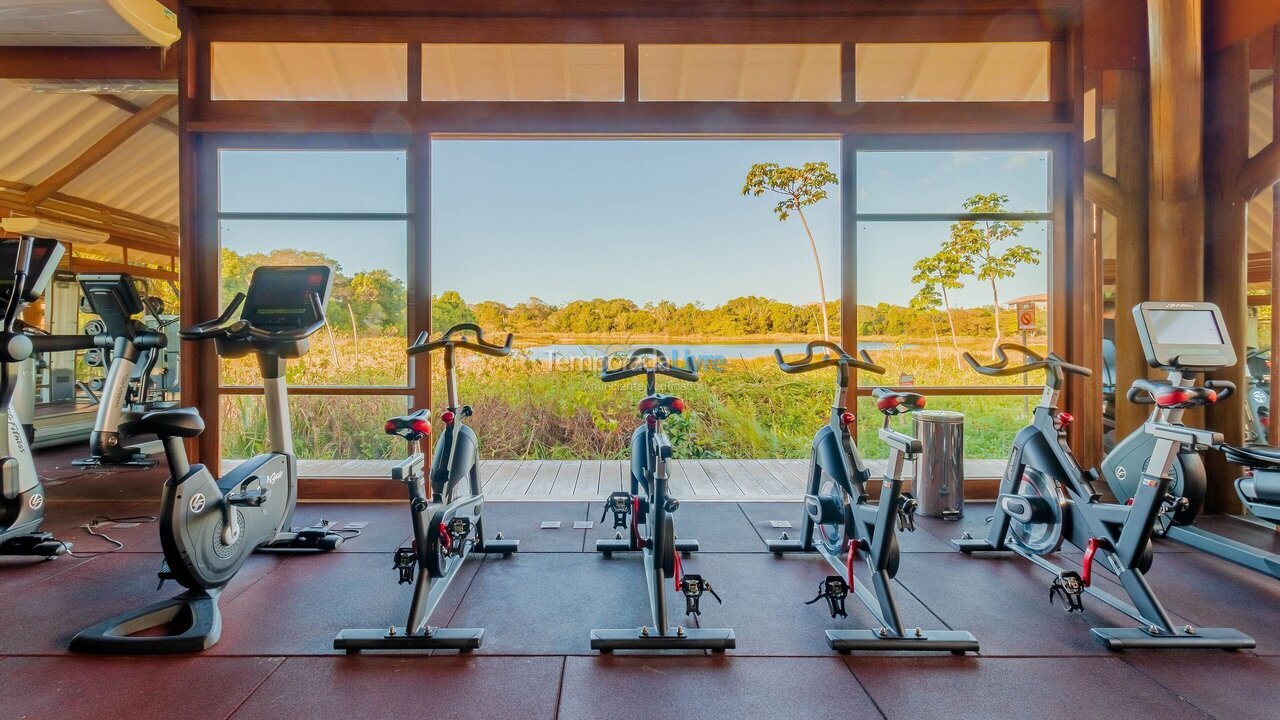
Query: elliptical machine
1046, 498
849, 525
31, 262
649, 520
1183, 339
209, 526
133, 353
448, 522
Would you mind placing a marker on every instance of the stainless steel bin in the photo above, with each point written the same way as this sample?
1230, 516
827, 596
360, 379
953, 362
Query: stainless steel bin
939, 477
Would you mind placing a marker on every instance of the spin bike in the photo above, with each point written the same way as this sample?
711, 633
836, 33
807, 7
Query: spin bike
133, 352
31, 263
649, 520
447, 514
849, 526
1259, 491
1045, 498
210, 526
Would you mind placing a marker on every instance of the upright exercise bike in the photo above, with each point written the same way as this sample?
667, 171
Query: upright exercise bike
849, 526
647, 519
447, 515
31, 263
1045, 498
209, 526
1260, 492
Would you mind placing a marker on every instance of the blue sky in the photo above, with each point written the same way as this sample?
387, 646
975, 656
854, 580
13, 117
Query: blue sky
641, 219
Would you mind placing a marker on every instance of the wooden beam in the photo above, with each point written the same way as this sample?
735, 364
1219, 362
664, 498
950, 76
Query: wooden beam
1260, 171
1177, 184
132, 109
1226, 142
100, 149
86, 63
1133, 169
89, 265
1104, 191
125, 232
1273, 437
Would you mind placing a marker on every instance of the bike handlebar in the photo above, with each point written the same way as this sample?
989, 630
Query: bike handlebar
241, 329
214, 327
1000, 368
635, 366
420, 345
808, 364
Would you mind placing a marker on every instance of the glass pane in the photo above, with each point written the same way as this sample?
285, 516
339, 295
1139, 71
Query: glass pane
958, 72
495, 71
745, 73
942, 182
920, 332
365, 341
325, 428
699, 270
989, 426
312, 181
351, 72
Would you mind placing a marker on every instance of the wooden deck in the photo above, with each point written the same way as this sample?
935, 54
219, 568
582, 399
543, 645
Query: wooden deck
593, 479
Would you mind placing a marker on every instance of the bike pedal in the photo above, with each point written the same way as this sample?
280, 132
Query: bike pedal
693, 587
834, 590
620, 504
1070, 587
458, 530
405, 559
907, 507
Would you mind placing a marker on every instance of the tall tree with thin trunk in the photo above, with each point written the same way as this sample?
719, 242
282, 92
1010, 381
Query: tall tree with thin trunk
976, 241
799, 187
927, 301
940, 272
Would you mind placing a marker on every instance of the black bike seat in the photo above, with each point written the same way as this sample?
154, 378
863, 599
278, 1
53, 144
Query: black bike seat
413, 426
1254, 456
666, 404
890, 402
178, 422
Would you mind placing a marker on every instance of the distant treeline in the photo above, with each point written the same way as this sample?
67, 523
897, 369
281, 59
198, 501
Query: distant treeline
376, 302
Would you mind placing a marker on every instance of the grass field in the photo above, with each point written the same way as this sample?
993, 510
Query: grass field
531, 410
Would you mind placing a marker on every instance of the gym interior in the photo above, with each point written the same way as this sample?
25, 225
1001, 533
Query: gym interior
953, 319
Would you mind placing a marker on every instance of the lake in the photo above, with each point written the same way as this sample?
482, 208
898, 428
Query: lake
546, 353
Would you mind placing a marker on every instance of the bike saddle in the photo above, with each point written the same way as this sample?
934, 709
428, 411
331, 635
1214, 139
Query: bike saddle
666, 404
178, 422
413, 426
1170, 396
890, 402
1256, 456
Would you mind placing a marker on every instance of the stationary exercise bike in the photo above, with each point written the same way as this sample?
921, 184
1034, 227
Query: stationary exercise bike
133, 353
1045, 498
30, 264
209, 526
1184, 339
647, 520
448, 520
849, 526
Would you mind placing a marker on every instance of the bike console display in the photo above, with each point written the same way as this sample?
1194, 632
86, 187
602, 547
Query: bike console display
1184, 335
45, 255
279, 297
114, 299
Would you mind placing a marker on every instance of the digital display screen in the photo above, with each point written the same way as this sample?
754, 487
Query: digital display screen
41, 251
1184, 327
278, 297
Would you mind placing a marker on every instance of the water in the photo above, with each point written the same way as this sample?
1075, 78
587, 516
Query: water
697, 351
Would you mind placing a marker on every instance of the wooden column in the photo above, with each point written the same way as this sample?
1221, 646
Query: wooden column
1226, 142
1177, 189
1133, 162
1273, 436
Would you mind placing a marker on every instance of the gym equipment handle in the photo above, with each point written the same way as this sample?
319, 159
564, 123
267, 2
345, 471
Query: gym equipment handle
420, 345
215, 327
635, 365
808, 364
1000, 368
1224, 388
63, 343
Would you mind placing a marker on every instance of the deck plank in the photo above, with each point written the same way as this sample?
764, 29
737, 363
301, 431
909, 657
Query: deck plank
587, 484
698, 478
544, 479
522, 479
678, 482
739, 480
566, 478
771, 485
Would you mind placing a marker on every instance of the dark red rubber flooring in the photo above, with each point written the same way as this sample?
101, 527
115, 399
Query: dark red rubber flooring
276, 660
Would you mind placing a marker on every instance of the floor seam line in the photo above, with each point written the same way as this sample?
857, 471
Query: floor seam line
564, 664
1175, 693
283, 659
865, 691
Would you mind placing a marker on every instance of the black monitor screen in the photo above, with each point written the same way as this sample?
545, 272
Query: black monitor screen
45, 255
278, 296
113, 298
1185, 327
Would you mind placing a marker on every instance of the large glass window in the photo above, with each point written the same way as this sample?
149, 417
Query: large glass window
953, 256
347, 210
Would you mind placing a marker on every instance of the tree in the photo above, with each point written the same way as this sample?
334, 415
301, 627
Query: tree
799, 187
927, 301
942, 271
448, 310
976, 241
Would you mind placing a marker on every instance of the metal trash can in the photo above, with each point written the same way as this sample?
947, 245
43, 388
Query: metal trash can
939, 481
